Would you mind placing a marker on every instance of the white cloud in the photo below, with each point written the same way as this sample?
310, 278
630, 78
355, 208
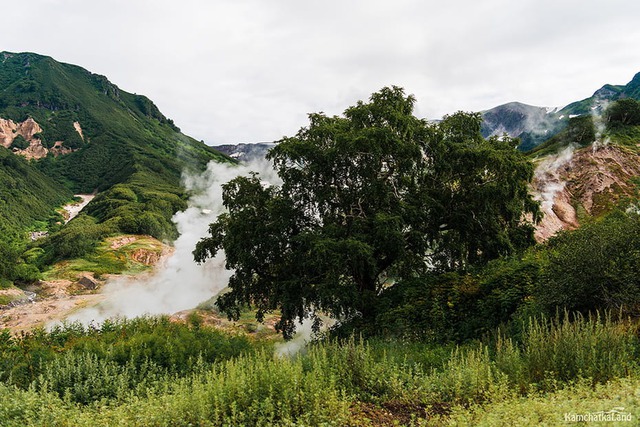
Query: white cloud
250, 70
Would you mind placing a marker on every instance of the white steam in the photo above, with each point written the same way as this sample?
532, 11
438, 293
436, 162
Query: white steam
598, 121
548, 172
548, 177
303, 336
180, 283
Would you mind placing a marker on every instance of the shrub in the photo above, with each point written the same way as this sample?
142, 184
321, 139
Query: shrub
595, 267
625, 111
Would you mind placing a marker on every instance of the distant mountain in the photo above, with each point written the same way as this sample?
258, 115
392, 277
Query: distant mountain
532, 125
244, 152
603, 96
535, 125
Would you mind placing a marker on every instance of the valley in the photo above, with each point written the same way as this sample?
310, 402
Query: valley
73, 285
53, 302
379, 270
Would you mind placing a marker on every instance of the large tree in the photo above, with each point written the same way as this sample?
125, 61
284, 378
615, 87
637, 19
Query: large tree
368, 198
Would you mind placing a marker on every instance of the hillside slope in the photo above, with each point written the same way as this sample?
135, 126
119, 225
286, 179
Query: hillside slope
26, 194
109, 134
603, 96
90, 136
581, 182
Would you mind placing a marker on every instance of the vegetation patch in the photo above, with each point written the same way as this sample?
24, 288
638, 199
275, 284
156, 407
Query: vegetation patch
125, 254
151, 371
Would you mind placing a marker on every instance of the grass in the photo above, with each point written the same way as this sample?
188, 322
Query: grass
110, 258
628, 136
563, 365
27, 195
578, 398
6, 299
207, 313
9, 293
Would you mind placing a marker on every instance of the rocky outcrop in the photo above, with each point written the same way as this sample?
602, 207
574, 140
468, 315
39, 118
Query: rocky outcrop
139, 248
17, 298
29, 129
119, 242
35, 150
59, 149
88, 282
146, 256
76, 126
9, 130
37, 235
586, 181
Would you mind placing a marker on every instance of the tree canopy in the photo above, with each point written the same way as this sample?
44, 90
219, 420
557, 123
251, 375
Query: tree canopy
625, 111
368, 198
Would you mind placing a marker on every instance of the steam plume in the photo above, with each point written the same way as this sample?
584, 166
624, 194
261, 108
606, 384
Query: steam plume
599, 123
180, 283
548, 177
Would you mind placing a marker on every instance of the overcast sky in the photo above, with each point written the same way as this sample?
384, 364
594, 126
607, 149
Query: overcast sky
231, 71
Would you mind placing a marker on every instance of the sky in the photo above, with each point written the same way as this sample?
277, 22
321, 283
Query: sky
229, 71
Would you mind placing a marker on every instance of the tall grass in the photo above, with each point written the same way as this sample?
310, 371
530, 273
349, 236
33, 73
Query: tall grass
329, 381
568, 347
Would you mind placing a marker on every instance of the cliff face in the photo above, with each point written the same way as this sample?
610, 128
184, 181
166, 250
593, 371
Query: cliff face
586, 181
29, 130
9, 130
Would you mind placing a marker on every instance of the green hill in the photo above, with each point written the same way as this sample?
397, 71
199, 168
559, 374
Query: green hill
26, 194
122, 133
606, 94
83, 134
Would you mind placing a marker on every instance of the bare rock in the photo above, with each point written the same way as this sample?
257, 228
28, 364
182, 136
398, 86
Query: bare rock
593, 179
88, 282
145, 256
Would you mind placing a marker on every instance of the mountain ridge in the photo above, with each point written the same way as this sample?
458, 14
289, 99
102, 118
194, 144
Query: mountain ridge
535, 125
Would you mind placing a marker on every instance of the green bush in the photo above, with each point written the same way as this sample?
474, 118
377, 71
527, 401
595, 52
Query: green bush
567, 348
19, 142
78, 239
595, 267
624, 112
457, 306
323, 385
127, 351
